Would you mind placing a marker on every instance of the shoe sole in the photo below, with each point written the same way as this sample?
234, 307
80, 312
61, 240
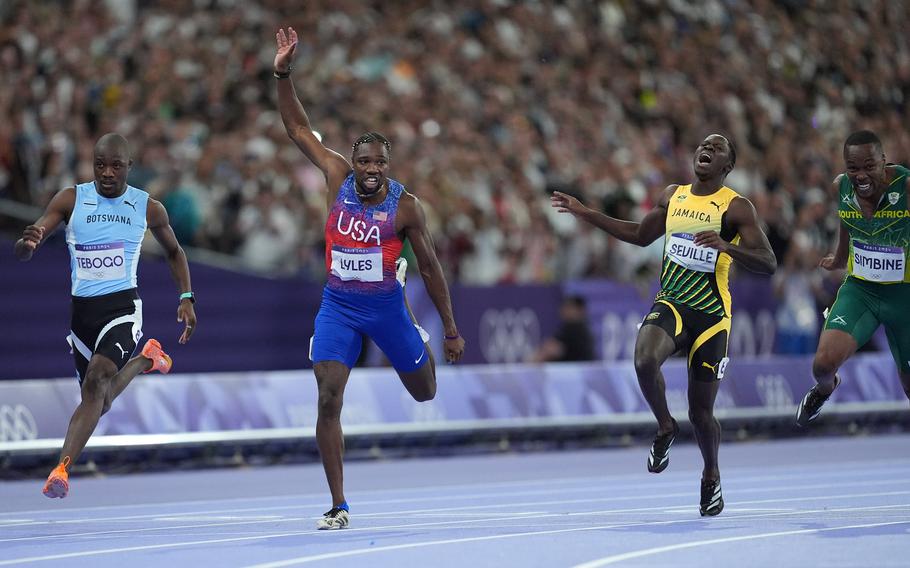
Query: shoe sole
712, 512
799, 409
56, 489
666, 462
802, 423
659, 468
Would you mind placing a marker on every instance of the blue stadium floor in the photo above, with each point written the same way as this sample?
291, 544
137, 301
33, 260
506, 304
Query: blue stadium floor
806, 502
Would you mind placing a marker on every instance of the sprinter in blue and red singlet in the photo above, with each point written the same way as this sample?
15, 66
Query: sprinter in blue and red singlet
370, 215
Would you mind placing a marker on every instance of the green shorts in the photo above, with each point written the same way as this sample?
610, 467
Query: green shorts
860, 307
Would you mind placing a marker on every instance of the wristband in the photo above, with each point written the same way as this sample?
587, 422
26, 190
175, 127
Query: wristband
456, 336
188, 296
282, 74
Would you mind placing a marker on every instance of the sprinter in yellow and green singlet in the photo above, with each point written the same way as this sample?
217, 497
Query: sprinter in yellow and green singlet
873, 245
706, 226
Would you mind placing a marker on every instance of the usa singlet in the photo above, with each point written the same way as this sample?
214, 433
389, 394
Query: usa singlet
362, 295
361, 244
104, 236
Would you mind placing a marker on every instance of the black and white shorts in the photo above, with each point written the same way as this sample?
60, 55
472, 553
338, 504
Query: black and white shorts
108, 325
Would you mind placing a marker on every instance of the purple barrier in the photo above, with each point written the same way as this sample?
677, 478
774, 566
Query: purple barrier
615, 310
253, 323
40, 409
245, 322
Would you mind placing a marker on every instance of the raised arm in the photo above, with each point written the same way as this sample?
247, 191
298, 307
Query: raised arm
160, 226
333, 165
414, 226
57, 211
753, 251
643, 233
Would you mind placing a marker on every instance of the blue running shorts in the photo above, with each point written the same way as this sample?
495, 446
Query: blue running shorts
344, 318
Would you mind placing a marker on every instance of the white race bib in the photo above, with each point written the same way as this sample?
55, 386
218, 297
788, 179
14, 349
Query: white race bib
878, 263
683, 251
100, 262
363, 264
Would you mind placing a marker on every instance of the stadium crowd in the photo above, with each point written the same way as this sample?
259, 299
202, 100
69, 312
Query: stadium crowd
490, 105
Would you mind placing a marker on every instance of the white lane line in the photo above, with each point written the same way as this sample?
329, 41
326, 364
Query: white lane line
650, 490
513, 517
687, 494
867, 470
500, 515
371, 550
411, 545
661, 549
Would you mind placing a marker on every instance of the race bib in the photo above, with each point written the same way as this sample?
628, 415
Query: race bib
363, 264
100, 262
878, 263
683, 251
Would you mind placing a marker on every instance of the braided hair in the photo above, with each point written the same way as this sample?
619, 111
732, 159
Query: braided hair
371, 137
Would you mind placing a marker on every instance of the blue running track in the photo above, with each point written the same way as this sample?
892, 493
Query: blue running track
805, 502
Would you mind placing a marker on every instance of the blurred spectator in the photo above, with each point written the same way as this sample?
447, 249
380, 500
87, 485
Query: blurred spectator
798, 285
573, 340
489, 105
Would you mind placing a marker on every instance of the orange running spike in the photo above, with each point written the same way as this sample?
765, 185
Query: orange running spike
161, 361
58, 485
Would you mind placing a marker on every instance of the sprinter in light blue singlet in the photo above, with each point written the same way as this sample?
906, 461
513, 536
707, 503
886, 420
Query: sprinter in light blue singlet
106, 221
104, 236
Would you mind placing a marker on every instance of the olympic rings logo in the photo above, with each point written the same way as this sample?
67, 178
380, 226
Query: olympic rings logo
774, 391
17, 424
508, 335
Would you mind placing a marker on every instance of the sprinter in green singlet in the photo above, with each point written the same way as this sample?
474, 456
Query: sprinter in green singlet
706, 226
873, 245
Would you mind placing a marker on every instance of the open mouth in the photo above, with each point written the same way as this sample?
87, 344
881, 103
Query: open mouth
864, 187
705, 158
371, 182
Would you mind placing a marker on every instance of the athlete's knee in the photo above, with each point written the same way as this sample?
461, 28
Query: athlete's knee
647, 365
330, 401
95, 386
425, 392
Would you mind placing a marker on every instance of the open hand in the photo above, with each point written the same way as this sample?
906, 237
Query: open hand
287, 45
186, 313
566, 203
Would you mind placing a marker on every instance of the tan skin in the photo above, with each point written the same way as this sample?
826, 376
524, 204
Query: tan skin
370, 164
870, 176
654, 346
103, 382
